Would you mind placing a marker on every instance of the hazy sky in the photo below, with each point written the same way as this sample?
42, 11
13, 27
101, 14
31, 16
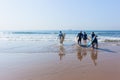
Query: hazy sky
59, 14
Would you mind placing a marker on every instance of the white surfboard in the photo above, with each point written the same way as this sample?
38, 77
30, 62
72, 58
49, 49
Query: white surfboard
90, 43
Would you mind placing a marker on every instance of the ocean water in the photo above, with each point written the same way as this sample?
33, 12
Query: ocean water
52, 35
48, 41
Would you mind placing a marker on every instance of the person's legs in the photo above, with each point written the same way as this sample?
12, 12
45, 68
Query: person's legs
93, 44
61, 40
96, 45
79, 41
85, 42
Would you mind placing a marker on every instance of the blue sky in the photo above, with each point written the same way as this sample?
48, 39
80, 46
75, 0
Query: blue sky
59, 14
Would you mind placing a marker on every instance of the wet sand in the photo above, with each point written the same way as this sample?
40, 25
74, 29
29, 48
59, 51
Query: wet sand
21, 61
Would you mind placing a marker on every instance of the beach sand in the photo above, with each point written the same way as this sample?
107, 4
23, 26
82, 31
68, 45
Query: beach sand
35, 60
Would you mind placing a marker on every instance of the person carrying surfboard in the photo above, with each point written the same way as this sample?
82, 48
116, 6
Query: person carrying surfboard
94, 40
79, 36
61, 37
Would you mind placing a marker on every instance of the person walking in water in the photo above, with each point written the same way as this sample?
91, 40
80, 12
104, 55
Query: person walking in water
85, 38
61, 37
94, 40
79, 36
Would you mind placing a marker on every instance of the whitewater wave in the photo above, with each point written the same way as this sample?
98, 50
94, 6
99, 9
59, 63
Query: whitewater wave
30, 36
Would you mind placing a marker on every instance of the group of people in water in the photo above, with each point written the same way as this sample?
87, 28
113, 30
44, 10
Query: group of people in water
82, 36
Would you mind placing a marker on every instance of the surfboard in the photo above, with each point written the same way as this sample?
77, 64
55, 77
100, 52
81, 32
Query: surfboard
88, 44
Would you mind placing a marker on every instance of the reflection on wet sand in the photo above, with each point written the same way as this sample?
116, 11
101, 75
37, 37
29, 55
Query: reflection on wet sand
94, 55
82, 52
79, 53
61, 51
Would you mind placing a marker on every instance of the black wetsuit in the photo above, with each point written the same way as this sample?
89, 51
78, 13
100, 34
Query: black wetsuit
93, 35
95, 41
80, 35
